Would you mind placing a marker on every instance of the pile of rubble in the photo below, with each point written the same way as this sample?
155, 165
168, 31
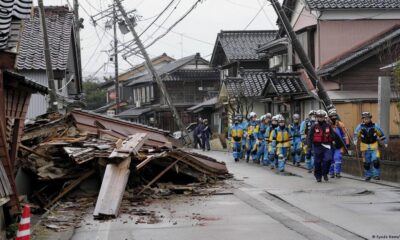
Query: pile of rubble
59, 152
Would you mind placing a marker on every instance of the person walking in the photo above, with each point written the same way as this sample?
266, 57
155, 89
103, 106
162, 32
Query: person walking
370, 135
343, 143
235, 136
304, 130
281, 139
197, 134
206, 135
264, 128
321, 140
297, 144
252, 131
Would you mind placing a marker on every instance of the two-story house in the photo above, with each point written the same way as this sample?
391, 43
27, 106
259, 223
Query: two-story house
189, 81
348, 42
64, 57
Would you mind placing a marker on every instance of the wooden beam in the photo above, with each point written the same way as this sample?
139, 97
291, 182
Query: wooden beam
158, 176
143, 163
30, 150
70, 187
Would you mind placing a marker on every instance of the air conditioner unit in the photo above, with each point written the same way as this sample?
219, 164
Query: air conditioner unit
138, 104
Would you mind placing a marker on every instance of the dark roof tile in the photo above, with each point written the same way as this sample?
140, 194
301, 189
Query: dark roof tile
348, 4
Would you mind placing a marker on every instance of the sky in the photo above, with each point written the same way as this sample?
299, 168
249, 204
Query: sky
196, 33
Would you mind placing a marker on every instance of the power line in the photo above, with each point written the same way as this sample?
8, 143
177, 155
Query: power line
159, 26
95, 50
159, 15
252, 20
171, 27
266, 15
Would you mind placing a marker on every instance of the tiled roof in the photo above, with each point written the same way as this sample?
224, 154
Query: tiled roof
348, 4
249, 84
14, 78
285, 84
243, 45
208, 103
59, 27
193, 74
134, 112
354, 56
165, 69
20, 9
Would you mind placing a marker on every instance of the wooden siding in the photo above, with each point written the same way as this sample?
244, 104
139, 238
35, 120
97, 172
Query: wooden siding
363, 76
350, 114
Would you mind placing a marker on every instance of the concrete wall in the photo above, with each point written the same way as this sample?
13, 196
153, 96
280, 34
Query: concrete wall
390, 170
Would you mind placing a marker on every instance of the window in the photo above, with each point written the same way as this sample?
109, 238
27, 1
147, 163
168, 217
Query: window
143, 98
151, 92
147, 94
135, 96
111, 113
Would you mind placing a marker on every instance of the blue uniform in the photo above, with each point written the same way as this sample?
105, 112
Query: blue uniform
235, 136
304, 130
205, 137
280, 145
297, 144
370, 134
244, 125
262, 141
336, 166
267, 149
252, 131
321, 138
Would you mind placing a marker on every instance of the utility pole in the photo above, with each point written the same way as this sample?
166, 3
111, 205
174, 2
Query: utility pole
322, 94
78, 26
116, 60
49, 69
150, 66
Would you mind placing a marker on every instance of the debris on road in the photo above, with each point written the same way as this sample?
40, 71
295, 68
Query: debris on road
59, 152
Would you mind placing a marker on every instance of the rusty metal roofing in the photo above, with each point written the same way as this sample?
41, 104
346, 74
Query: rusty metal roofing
59, 27
120, 128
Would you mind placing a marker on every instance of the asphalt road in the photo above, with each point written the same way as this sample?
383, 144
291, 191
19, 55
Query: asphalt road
261, 204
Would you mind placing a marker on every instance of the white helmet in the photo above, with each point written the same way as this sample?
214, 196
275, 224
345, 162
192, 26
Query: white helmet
312, 112
321, 113
262, 117
252, 114
274, 118
268, 115
281, 118
296, 116
332, 112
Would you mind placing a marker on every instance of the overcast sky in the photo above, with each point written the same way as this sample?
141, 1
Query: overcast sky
196, 33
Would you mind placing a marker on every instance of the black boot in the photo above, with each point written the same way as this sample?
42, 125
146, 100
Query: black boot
326, 178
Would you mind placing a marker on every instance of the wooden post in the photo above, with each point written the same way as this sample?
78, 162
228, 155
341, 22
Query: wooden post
49, 69
384, 93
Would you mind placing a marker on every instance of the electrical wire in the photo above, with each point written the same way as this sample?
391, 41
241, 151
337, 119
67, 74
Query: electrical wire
159, 15
172, 26
254, 18
95, 50
266, 15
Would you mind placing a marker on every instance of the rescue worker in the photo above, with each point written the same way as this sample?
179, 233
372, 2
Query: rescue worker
321, 140
244, 124
304, 130
235, 136
269, 156
264, 127
197, 134
280, 143
370, 135
206, 135
341, 146
297, 145
252, 131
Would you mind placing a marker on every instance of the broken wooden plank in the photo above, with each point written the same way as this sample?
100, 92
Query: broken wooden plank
30, 150
142, 164
70, 187
116, 177
131, 145
158, 176
112, 189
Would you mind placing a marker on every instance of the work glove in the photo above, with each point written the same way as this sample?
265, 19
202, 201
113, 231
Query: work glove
386, 145
355, 142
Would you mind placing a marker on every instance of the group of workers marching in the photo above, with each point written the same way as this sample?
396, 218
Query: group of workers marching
320, 140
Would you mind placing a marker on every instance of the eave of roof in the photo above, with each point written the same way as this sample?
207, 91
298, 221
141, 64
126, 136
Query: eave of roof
361, 53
